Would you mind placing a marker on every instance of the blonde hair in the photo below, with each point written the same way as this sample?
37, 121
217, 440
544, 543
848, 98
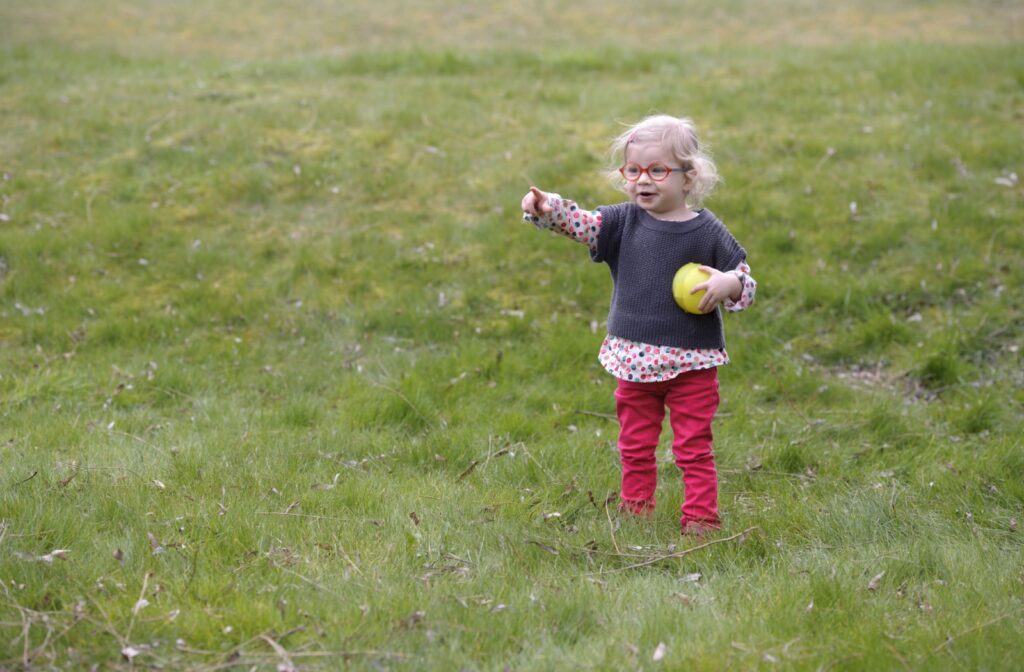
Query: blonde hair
679, 136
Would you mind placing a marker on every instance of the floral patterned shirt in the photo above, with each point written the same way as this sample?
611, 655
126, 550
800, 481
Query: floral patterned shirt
623, 358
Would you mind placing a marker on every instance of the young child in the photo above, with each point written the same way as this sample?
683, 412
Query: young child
661, 355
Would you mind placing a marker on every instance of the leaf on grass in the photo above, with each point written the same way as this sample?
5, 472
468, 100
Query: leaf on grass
1007, 180
659, 652
810, 607
154, 544
1013, 524
553, 514
118, 555
328, 486
690, 578
159, 484
415, 518
683, 597
413, 619
875, 582
59, 553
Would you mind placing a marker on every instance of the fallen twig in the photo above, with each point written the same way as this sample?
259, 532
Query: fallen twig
309, 581
286, 662
606, 416
137, 607
951, 639
680, 554
349, 560
142, 441
404, 398
780, 474
297, 515
468, 470
611, 527
26, 480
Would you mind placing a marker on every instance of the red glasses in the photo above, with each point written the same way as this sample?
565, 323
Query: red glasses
656, 171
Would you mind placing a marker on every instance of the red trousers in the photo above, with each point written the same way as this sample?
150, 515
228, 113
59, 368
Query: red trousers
692, 399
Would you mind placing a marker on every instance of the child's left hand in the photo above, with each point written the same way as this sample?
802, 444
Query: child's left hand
719, 287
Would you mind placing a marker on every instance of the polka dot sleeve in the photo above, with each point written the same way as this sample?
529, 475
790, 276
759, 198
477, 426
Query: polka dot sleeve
746, 294
570, 220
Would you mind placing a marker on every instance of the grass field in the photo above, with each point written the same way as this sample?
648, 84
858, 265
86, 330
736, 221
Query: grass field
286, 384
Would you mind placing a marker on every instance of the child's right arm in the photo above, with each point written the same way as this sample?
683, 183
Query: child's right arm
552, 212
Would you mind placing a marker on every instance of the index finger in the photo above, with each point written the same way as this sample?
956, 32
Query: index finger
542, 200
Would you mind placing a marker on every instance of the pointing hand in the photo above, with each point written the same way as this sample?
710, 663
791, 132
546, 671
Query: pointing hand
536, 202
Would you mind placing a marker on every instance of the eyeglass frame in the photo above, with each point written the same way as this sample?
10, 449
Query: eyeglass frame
647, 169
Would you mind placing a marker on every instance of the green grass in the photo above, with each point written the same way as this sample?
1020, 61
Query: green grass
278, 358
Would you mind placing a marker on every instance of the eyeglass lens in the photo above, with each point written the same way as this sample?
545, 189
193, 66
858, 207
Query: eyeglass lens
657, 171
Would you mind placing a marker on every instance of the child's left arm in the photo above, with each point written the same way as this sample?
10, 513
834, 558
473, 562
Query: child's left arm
735, 290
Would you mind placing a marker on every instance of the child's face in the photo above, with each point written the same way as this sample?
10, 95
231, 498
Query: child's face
665, 199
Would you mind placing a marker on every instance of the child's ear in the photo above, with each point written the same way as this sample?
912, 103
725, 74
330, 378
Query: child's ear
689, 177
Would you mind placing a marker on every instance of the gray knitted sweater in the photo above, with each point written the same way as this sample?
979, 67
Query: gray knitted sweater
643, 254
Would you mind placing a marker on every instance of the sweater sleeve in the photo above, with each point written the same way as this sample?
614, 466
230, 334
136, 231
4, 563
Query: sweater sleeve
613, 219
570, 220
729, 254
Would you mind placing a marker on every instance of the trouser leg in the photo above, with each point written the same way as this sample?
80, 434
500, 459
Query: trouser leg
641, 410
693, 401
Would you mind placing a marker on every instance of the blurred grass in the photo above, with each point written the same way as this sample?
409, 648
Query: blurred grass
265, 297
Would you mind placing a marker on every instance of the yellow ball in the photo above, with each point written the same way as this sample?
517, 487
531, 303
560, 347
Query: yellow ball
688, 277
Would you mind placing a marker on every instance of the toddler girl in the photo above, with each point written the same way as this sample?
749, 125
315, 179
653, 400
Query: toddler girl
661, 355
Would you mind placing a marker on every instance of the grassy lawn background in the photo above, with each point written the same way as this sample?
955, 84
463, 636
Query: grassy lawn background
284, 380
